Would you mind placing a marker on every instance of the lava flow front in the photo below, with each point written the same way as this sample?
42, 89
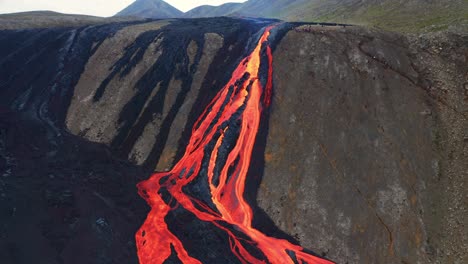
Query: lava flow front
219, 152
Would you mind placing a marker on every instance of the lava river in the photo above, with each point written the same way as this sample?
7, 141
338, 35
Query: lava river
219, 150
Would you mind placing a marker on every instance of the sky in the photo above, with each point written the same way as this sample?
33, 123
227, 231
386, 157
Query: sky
103, 8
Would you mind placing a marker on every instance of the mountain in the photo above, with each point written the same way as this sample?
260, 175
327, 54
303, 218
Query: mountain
150, 9
213, 11
48, 19
351, 143
403, 16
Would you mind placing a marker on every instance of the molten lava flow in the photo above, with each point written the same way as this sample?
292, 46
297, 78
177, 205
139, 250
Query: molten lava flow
225, 132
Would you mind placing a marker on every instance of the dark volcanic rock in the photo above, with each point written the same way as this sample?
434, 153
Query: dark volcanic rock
69, 201
365, 156
135, 87
355, 164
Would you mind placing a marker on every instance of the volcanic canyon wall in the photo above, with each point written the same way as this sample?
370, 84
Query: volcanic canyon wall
365, 148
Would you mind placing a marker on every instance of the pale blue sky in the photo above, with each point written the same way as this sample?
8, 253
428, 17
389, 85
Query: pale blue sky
93, 7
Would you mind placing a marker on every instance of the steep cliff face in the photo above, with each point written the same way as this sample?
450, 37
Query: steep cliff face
159, 81
362, 160
355, 164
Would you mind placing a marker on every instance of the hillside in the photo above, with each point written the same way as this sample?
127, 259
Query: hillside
213, 11
150, 9
48, 19
402, 16
343, 141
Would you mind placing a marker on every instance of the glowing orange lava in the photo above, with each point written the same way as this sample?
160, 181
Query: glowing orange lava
244, 100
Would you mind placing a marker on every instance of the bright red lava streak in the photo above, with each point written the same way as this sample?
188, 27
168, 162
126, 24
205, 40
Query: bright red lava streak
243, 96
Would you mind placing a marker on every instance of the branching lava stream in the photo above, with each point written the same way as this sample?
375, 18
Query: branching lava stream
220, 150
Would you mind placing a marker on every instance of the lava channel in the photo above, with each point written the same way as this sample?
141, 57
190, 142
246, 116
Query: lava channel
225, 132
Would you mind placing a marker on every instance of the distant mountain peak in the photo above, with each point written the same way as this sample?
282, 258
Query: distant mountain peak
150, 9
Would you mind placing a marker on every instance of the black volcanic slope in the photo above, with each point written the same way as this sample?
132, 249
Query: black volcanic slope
69, 175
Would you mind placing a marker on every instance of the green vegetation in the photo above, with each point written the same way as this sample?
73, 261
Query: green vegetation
408, 17
411, 16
